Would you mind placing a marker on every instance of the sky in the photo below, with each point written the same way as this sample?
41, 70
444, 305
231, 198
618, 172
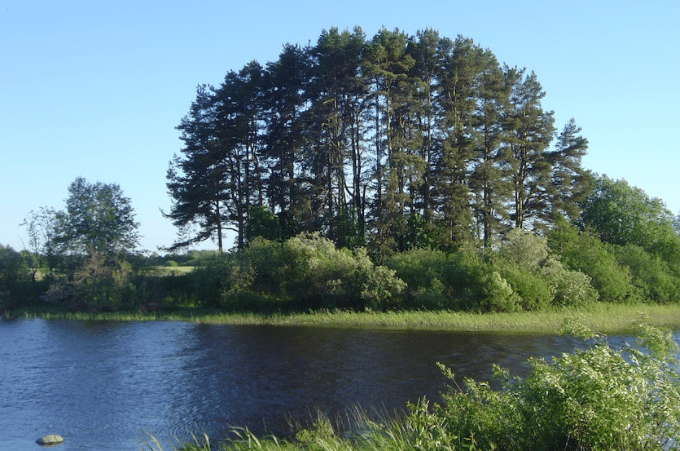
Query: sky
95, 89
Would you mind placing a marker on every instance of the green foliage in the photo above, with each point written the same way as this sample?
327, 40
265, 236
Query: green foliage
532, 290
12, 270
569, 288
596, 399
653, 278
222, 278
98, 217
349, 232
583, 252
396, 141
423, 272
457, 281
524, 249
264, 224
305, 271
622, 214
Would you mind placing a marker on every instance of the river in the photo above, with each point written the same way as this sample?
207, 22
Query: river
105, 385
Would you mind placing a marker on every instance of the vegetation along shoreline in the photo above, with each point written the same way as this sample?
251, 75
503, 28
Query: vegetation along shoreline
604, 319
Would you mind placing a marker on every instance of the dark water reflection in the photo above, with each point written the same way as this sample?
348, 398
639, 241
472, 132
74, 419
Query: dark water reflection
103, 385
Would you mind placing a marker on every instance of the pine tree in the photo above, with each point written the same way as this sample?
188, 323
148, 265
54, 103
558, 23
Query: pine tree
198, 182
529, 131
569, 182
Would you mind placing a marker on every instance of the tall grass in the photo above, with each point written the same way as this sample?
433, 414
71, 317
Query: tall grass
355, 430
604, 318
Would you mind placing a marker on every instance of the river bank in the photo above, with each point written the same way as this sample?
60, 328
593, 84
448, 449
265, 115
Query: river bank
602, 318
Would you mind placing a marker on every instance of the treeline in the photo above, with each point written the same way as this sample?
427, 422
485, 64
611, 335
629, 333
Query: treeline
393, 142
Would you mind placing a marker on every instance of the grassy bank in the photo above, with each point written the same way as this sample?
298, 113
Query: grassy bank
603, 318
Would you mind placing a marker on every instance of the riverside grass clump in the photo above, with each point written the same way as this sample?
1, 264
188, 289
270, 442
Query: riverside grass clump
598, 398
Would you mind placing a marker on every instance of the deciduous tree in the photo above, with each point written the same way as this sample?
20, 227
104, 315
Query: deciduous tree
98, 217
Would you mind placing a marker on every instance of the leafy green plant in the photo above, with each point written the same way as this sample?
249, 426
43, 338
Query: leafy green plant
580, 251
569, 288
599, 398
652, 276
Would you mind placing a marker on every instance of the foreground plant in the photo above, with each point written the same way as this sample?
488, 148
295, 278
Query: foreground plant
594, 399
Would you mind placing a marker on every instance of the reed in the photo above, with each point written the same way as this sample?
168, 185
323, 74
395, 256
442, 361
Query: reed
603, 318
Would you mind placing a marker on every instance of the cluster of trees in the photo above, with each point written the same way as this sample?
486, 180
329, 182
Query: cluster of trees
396, 172
77, 256
394, 142
623, 247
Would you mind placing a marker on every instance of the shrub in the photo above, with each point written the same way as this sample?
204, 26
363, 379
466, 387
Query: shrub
303, 272
524, 249
569, 288
423, 271
533, 291
651, 275
594, 399
219, 279
12, 271
587, 254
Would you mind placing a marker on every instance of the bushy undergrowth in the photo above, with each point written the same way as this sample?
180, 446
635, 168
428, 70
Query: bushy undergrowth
594, 399
523, 272
305, 272
522, 275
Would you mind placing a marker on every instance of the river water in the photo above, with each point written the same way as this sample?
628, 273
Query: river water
106, 385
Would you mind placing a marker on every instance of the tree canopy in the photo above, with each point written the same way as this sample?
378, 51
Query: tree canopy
98, 217
622, 214
372, 136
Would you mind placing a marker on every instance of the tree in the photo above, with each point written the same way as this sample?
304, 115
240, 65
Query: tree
569, 182
11, 270
41, 227
530, 131
196, 181
360, 135
622, 214
489, 178
98, 217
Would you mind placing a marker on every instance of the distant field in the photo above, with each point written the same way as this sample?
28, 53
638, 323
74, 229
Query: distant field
168, 270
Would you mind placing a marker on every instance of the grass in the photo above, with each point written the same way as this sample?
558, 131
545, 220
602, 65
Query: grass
163, 271
603, 318
355, 431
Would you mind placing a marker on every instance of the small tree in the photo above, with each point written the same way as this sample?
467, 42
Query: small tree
41, 227
98, 217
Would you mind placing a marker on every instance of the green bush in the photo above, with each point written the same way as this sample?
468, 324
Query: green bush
220, 278
423, 271
569, 288
524, 249
464, 281
304, 272
12, 273
587, 254
651, 275
533, 291
594, 399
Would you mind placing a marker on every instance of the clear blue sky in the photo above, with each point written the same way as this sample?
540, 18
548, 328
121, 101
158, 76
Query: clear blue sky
95, 88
